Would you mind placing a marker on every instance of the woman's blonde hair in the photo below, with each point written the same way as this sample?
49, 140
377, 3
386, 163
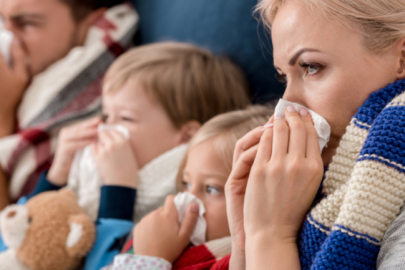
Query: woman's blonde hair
225, 130
381, 22
189, 82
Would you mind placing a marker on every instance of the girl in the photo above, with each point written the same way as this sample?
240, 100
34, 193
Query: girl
203, 173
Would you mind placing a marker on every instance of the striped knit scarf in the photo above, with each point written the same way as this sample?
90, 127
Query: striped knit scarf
213, 255
67, 91
364, 188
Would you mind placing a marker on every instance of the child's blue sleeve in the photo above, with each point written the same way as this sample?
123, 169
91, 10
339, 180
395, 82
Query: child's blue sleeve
113, 225
43, 185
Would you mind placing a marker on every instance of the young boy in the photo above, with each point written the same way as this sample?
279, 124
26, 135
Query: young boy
160, 94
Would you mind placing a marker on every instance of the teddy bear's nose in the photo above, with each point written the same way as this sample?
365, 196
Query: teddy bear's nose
11, 214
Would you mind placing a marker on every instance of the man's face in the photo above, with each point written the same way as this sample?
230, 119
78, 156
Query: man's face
45, 28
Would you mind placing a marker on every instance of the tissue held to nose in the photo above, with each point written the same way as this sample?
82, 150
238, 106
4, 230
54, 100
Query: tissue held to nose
321, 125
6, 37
182, 201
121, 129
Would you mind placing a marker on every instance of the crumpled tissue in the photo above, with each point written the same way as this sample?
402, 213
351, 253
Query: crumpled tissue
6, 37
182, 201
321, 125
121, 129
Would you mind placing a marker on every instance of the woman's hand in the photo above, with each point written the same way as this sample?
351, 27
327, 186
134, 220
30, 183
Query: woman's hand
282, 185
71, 139
159, 234
244, 156
115, 160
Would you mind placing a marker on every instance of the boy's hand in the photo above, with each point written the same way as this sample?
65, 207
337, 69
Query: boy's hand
160, 235
115, 160
71, 139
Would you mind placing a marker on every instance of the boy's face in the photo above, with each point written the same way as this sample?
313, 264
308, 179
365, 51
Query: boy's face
204, 176
45, 28
151, 131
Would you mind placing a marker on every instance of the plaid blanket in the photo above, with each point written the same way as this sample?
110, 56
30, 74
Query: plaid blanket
68, 91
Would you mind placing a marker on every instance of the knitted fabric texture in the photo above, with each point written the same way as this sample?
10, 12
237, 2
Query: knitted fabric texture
364, 188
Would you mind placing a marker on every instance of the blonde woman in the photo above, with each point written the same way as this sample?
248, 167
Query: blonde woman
344, 59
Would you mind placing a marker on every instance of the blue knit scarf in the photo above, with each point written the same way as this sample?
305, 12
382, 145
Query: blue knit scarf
364, 188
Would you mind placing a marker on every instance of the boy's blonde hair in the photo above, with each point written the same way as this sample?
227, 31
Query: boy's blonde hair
190, 83
226, 129
382, 23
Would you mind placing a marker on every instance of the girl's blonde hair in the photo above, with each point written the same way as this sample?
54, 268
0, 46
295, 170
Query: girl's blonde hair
381, 22
189, 82
226, 129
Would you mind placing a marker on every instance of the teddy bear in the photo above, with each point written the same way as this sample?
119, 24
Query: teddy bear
49, 232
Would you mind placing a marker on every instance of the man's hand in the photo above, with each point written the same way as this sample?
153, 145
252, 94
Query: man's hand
71, 139
14, 80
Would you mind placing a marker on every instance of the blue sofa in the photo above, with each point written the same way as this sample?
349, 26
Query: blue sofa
223, 26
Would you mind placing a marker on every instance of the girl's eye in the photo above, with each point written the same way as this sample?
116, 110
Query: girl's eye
212, 190
187, 186
281, 78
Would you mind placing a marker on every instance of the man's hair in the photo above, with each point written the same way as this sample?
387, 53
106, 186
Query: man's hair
225, 130
81, 8
190, 83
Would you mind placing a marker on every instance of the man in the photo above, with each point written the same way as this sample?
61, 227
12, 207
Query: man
44, 64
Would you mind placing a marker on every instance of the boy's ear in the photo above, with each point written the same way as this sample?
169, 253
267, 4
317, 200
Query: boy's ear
188, 130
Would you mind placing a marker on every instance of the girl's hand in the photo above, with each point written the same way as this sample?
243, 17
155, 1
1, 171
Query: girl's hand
115, 160
282, 185
159, 234
71, 139
244, 156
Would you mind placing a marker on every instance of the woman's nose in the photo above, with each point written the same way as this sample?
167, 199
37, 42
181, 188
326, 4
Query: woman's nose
293, 94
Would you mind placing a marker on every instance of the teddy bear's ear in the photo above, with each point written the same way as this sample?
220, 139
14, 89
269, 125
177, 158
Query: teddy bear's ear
81, 236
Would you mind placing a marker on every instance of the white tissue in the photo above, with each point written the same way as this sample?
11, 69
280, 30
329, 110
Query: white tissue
121, 129
182, 201
321, 125
6, 37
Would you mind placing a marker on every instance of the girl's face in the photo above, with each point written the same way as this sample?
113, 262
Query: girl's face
327, 67
204, 176
151, 131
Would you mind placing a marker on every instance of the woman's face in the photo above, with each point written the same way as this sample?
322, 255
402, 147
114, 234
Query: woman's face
327, 66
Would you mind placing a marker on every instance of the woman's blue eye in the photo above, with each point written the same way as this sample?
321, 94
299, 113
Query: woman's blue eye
312, 69
213, 190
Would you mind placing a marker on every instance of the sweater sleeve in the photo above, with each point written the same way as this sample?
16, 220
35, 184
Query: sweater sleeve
392, 250
129, 261
114, 224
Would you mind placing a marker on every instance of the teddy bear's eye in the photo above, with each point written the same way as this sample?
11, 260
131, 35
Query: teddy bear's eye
29, 219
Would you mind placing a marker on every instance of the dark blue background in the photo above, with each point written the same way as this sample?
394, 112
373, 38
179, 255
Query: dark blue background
223, 26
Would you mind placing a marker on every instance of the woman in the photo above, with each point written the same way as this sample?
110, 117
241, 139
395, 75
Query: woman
334, 56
